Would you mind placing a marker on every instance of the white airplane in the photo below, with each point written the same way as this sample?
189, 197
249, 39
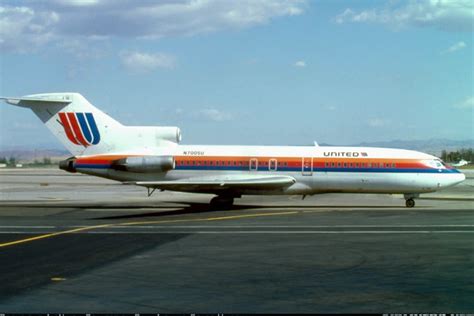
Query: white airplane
151, 157
461, 163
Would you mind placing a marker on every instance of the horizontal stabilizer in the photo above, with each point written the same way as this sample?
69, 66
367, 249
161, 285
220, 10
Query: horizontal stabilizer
33, 101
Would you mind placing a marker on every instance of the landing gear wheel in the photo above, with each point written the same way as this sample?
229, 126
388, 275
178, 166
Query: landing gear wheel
410, 203
224, 202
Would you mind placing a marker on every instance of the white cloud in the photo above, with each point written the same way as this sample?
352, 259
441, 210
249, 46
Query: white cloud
455, 47
300, 63
33, 24
83, 48
79, 3
467, 103
447, 15
377, 122
205, 113
137, 62
215, 115
23, 29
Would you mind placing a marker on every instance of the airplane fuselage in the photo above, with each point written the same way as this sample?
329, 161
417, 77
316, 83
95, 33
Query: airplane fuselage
315, 169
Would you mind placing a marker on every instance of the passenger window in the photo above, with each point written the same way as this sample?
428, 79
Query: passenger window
345, 164
332, 164
338, 164
357, 165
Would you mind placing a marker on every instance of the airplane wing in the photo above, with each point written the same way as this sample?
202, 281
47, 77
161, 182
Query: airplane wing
234, 183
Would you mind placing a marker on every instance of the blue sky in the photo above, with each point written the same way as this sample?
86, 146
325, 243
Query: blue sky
246, 72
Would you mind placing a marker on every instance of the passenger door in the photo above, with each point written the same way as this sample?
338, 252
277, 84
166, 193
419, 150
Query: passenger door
307, 166
253, 166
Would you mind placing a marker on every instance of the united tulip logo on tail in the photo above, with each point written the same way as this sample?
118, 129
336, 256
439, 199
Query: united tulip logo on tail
80, 128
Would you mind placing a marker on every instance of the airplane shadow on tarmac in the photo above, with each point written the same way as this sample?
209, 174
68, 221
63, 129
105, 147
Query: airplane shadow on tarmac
195, 208
191, 208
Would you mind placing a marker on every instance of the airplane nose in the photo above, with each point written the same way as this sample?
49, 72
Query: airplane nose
458, 178
452, 179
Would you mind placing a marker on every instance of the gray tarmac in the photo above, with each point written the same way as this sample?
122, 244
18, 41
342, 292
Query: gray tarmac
72, 243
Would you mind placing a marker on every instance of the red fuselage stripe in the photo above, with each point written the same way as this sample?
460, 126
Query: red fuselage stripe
290, 162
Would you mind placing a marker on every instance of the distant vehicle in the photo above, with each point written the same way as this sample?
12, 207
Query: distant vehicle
151, 156
461, 163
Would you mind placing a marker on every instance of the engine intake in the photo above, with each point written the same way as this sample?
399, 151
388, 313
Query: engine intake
172, 134
144, 164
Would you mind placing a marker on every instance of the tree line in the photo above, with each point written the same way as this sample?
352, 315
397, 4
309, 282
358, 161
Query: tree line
456, 156
12, 161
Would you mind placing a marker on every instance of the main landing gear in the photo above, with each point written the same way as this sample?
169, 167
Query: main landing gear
410, 203
410, 199
222, 202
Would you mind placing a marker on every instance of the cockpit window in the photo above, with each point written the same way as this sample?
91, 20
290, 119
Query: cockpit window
435, 163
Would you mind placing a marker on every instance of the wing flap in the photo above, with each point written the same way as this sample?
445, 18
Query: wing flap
228, 183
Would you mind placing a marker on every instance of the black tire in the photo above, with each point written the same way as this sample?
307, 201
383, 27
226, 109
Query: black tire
221, 202
410, 203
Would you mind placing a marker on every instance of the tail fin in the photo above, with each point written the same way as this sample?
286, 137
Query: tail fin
81, 127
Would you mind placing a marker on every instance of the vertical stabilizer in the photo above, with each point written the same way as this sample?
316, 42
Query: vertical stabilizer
81, 127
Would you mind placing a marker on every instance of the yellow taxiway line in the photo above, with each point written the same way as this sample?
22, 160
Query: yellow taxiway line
86, 228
